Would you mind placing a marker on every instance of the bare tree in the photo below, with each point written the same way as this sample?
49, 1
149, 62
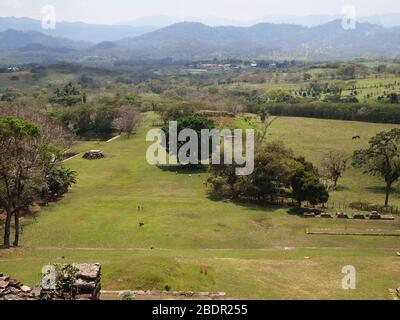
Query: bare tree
334, 165
128, 120
52, 130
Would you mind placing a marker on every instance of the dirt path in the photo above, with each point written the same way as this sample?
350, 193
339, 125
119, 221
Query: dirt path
113, 139
200, 249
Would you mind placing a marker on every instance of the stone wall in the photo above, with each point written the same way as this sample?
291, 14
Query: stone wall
88, 281
87, 285
11, 289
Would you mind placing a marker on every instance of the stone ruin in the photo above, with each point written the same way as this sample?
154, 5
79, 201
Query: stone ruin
342, 215
88, 281
87, 284
11, 289
326, 215
93, 155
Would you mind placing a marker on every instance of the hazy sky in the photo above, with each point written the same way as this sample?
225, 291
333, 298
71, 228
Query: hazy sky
117, 11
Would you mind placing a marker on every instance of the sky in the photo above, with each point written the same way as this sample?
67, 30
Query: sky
119, 11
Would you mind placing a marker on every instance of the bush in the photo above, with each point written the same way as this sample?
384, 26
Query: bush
126, 296
58, 181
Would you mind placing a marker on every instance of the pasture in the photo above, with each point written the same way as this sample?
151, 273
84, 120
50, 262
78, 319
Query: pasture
191, 242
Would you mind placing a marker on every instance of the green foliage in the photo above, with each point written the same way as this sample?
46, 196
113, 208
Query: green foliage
342, 111
65, 289
103, 120
132, 99
126, 296
347, 71
196, 123
68, 95
279, 95
306, 186
90, 121
382, 158
9, 96
18, 128
87, 82
175, 112
276, 171
59, 180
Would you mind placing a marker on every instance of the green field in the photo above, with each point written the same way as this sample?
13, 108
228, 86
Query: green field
192, 242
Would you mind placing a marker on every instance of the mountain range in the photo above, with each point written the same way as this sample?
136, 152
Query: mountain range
327, 41
386, 20
194, 41
77, 31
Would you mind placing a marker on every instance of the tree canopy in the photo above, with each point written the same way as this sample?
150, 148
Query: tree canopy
382, 158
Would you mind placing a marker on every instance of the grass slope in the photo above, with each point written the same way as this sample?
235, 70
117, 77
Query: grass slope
190, 242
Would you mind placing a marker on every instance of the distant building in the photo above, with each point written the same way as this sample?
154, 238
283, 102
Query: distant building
208, 66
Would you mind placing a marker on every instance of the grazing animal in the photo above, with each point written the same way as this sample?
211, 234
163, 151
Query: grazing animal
141, 224
356, 137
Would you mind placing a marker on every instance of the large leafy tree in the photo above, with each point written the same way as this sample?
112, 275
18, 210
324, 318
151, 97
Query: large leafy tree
382, 158
22, 161
68, 95
175, 112
196, 123
306, 186
276, 171
273, 164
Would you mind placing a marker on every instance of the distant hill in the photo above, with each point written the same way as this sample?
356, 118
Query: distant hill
328, 41
194, 41
105, 45
76, 31
13, 39
386, 20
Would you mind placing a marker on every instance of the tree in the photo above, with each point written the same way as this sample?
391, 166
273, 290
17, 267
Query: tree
68, 95
273, 165
382, 158
276, 171
279, 95
334, 165
9, 96
307, 187
22, 161
127, 121
347, 71
103, 120
58, 181
307, 77
173, 113
196, 123
90, 121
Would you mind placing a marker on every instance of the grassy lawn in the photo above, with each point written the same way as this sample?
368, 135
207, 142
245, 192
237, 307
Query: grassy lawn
191, 242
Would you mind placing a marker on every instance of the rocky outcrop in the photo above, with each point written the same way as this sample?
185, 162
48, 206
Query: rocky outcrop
93, 155
11, 289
